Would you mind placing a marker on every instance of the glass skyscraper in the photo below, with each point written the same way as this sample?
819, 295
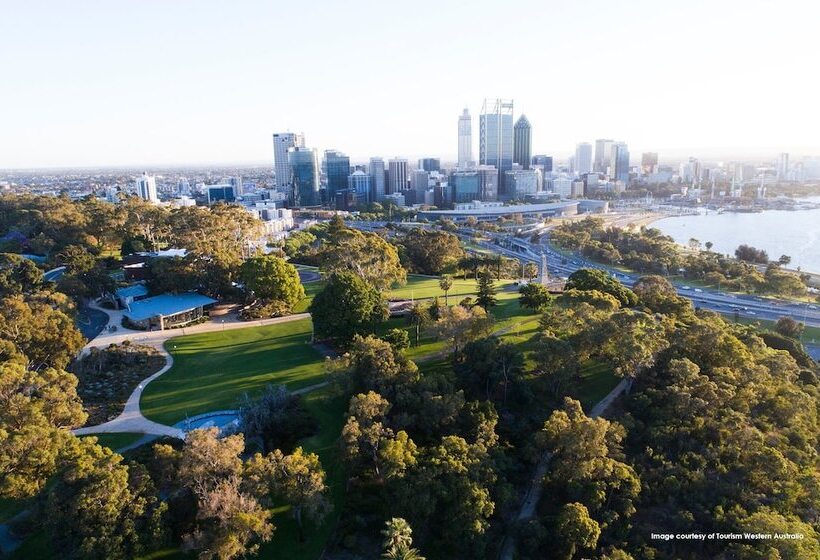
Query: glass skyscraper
304, 182
337, 167
619, 161
496, 136
522, 142
465, 186
377, 178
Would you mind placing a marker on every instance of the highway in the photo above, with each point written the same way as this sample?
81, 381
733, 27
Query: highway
743, 305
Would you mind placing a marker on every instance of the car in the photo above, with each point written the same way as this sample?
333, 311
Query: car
752, 313
685, 288
812, 307
698, 290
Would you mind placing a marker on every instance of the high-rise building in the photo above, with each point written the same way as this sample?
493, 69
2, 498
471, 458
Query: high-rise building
603, 149
377, 179
465, 140
419, 181
583, 158
649, 162
496, 137
337, 169
304, 182
465, 186
783, 167
619, 162
522, 142
430, 164
521, 183
359, 182
544, 161
282, 142
147, 188
487, 183
397, 175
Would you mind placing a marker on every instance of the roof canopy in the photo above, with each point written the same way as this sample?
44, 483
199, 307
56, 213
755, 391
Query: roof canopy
165, 305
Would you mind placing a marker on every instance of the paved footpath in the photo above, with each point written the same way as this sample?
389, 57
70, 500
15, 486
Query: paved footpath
536, 488
131, 419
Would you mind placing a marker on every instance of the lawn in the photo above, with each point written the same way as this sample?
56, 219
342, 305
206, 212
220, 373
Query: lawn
117, 441
212, 370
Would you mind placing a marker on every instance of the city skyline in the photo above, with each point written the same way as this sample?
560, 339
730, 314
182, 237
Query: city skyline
148, 85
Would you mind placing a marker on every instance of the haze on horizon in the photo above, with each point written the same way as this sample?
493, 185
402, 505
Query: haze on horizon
99, 83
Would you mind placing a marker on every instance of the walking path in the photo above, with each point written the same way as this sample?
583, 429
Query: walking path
131, 419
536, 488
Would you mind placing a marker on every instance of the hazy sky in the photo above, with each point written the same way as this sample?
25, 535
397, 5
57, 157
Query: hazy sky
144, 82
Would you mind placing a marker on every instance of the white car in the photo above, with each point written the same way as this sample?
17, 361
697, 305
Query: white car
685, 288
698, 290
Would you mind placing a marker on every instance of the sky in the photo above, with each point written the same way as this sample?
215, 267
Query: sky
106, 83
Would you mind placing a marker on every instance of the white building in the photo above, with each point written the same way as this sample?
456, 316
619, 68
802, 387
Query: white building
583, 158
282, 142
465, 140
562, 186
147, 188
276, 221
521, 183
397, 175
783, 167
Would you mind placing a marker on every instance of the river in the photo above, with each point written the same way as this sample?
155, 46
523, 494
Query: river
778, 232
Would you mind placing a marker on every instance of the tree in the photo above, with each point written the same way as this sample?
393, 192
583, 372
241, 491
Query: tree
631, 340
556, 363
530, 271
486, 297
372, 364
101, 508
789, 327
366, 255
345, 307
445, 283
299, 480
709, 245
534, 296
784, 260
460, 325
398, 339
488, 364
593, 279
752, 255
398, 542
278, 418
431, 252
658, 294
18, 275
37, 409
46, 336
419, 317
577, 529
272, 278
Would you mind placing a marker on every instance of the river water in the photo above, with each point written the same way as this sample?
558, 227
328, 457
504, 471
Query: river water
778, 232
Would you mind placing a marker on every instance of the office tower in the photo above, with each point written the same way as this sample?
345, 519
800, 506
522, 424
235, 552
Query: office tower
522, 142
397, 175
377, 180
649, 162
783, 167
521, 183
220, 193
619, 161
487, 183
495, 144
562, 186
419, 181
583, 158
147, 188
337, 169
465, 140
304, 168
544, 161
465, 186
359, 182
430, 164
282, 142
603, 149
183, 186
236, 183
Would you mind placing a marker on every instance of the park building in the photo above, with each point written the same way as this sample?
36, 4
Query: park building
167, 311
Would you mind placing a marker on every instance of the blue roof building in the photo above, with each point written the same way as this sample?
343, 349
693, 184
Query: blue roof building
129, 294
167, 310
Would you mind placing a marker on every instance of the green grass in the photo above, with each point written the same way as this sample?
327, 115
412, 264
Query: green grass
117, 441
212, 370
597, 380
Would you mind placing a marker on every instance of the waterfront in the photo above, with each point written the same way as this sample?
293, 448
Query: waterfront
778, 232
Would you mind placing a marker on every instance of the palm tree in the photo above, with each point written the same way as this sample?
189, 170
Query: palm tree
398, 542
418, 316
445, 283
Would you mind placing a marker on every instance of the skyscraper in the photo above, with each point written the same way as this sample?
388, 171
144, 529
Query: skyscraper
304, 183
282, 142
603, 149
337, 167
419, 181
783, 167
377, 183
465, 140
619, 161
397, 174
487, 183
430, 164
359, 182
544, 161
495, 145
522, 142
583, 158
147, 188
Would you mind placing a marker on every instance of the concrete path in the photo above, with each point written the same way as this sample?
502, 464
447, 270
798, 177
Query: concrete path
536, 487
131, 419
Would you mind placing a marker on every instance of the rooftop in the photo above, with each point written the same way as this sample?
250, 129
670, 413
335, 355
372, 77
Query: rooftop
165, 305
